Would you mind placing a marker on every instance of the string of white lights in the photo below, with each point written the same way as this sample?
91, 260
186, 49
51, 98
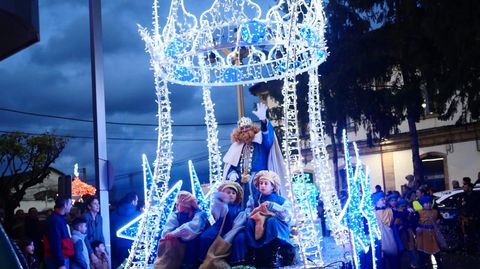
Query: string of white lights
366, 206
308, 236
157, 208
353, 214
143, 249
205, 52
214, 154
324, 178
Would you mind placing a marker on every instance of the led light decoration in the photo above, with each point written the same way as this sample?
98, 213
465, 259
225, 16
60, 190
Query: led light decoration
228, 26
231, 43
203, 200
147, 227
80, 188
305, 192
358, 207
323, 175
366, 206
214, 154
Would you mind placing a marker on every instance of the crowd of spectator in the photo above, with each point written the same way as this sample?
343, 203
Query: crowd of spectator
410, 225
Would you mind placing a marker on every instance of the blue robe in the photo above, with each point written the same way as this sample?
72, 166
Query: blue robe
259, 160
187, 230
238, 249
276, 227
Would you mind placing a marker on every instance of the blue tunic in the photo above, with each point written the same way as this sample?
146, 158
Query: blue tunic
187, 235
238, 249
276, 227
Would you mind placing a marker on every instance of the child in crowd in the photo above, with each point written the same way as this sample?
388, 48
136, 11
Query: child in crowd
268, 227
227, 204
100, 253
28, 250
389, 244
182, 231
81, 258
405, 221
426, 240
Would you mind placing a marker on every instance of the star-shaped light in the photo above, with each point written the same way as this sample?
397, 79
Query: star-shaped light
203, 199
351, 215
130, 230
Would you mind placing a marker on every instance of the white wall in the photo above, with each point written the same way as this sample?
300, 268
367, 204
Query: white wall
39, 205
374, 163
464, 161
402, 165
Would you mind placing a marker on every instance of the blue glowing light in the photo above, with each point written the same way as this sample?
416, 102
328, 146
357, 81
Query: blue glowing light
304, 186
183, 74
231, 74
310, 36
282, 66
203, 200
167, 202
322, 54
352, 215
175, 48
253, 32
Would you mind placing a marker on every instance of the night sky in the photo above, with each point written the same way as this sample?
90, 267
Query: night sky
52, 79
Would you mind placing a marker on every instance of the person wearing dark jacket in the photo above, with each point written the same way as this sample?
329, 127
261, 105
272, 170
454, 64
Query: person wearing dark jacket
58, 239
125, 212
94, 225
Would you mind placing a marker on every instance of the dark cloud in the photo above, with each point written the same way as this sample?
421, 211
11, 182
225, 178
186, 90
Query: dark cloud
53, 77
70, 43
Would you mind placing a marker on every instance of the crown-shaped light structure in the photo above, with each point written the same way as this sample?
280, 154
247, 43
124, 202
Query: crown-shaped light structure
233, 43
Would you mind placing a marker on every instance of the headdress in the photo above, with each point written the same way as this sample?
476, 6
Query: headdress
376, 197
271, 176
392, 196
244, 121
186, 198
234, 185
426, 199
402, 202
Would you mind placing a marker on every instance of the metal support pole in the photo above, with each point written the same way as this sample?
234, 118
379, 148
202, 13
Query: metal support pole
100, 134
240, 105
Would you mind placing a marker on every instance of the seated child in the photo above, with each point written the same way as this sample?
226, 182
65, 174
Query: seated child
227, 203
268, 226
81, 259
184, 226
100, 253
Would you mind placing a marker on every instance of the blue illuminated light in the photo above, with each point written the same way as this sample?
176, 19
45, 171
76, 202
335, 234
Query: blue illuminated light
281, 67
130, 230
231, 74
203, 200
322, 54
253, 32
175, 48
356, 206
310, 36
183, 74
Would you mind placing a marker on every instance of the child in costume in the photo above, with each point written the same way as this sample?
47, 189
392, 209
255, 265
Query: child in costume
268, 226
227, 206
388, 245
427, 243
405, 220
179, 240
